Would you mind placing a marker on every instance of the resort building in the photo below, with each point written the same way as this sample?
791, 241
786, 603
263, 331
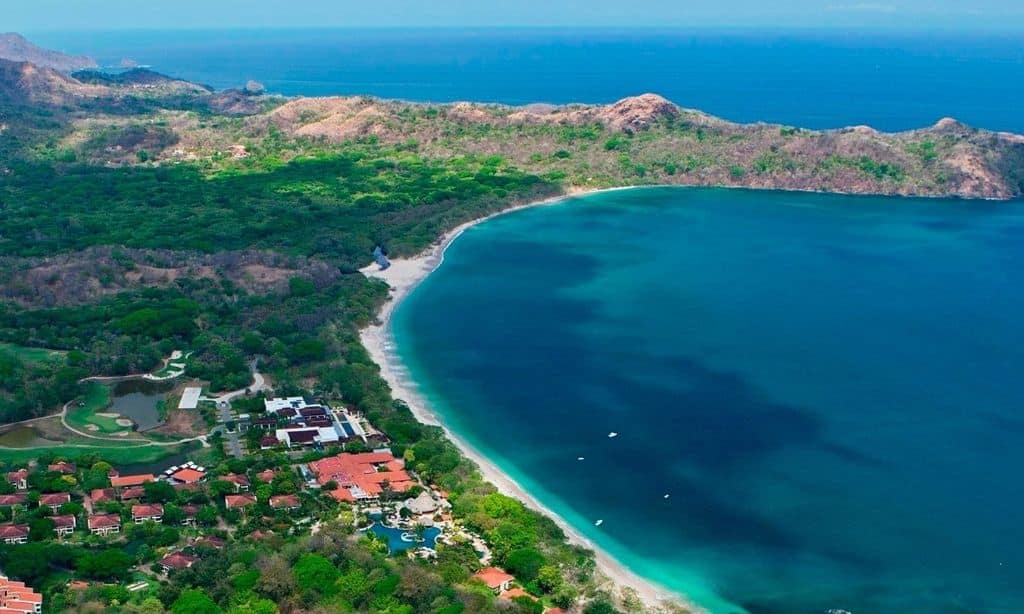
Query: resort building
275, 406
266, 476
189, 514
13, 500
362, 477
496, 579
18, 479
148, 511
177, 560
122, 481
285, 502
63, 467
99, 495
240, 482
188, 475
104, 524
64, 525
233, 502
54, 500
14, 533
16, 597
132, 492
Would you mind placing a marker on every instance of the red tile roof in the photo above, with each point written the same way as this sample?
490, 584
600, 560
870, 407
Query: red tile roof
147, 510
131, 480
103, 521
102, 494
15, 499
360, 471
55, 498
493, 577
236, 478
233, 501
132, 492
62, 467
16, 597
8, 531
284, 501
62, 522
512, 593
178, 560
266, 476
189, 476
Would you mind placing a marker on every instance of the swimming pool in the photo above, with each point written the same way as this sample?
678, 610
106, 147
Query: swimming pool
397, 544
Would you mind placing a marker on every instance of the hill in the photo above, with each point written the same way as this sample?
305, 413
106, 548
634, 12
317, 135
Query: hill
17, 48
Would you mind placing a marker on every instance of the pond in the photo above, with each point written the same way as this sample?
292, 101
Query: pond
24, 437
137, 400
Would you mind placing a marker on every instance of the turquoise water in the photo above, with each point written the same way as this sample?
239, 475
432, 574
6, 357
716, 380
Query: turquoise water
828, 387
395, 542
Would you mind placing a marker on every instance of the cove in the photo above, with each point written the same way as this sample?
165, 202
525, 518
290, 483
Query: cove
828, 387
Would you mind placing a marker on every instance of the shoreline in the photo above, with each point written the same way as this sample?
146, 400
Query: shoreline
403, 276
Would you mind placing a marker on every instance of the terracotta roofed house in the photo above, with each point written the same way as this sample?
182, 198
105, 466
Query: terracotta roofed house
63, 467
54, 500
102, 494
496, 579
177, 560
266, 476
14, 533
12, 500
64, 525
285, 502
147, 511
188, 476
104, 524
239, 501
19, 479
16, 597
241, 482
121, 481
132, 492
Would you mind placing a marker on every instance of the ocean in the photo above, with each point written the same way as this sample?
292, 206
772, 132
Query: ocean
828, 387
813, 79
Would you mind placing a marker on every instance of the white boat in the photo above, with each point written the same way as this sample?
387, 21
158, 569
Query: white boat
579, 458
613, 434
667, 495
599, 523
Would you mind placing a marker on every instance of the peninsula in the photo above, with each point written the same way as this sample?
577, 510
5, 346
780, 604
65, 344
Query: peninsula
146, 216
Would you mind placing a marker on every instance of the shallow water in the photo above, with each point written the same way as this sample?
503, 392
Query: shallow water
828, 387
137, 400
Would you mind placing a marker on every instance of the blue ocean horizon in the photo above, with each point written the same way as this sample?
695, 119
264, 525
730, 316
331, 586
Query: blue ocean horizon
892, 81
826, 386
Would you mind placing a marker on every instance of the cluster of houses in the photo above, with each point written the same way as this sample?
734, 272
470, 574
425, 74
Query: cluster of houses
362, 477
15, 597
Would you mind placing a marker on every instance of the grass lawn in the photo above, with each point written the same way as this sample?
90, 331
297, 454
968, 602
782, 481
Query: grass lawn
97, 399
27, 354
116, 455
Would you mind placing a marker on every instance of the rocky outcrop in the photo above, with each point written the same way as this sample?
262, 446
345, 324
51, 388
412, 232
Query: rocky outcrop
16, 48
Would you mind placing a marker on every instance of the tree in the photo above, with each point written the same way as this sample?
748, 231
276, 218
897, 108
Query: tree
525, 563
600, 606
314, 572
193, 601
107, 565
158, 492
549, 578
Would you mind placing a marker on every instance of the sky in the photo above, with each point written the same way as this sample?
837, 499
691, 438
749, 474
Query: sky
44, 15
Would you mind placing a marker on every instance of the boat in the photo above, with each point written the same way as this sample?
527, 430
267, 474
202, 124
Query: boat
667, 495
599, 522
579, 458
613, 434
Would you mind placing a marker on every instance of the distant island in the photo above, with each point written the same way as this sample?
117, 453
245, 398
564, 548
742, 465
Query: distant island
213, 241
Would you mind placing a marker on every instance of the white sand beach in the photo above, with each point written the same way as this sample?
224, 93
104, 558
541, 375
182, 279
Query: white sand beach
403, 275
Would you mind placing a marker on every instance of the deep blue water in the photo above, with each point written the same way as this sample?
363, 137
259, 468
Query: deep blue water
830, 388
824, 79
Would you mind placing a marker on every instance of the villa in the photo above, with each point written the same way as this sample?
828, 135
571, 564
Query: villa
14, 533
15, 596
241, 482
285, 502
496, 579
274, 406
188, 475
177, 560
63, 467
233, 502
18, 479
13, 500
362, 477
64, 525
54, 500
132, 492
104, 524
143, 512
102, 494
189, 514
